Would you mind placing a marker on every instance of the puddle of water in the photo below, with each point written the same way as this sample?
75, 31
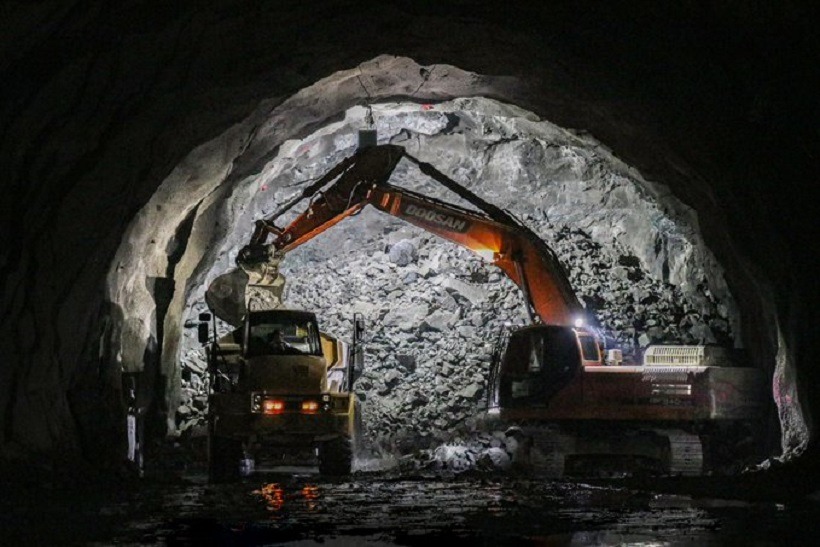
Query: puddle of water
300, 507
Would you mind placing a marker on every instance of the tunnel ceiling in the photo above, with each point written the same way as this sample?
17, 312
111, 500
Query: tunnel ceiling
106, 106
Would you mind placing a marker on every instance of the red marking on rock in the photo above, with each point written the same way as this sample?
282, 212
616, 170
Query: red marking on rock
426, 106
264, 187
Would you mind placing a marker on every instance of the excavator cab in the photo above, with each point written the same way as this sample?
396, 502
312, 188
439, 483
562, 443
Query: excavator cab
538, 362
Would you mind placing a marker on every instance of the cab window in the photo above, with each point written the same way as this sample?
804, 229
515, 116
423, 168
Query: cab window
282, 334
589, 348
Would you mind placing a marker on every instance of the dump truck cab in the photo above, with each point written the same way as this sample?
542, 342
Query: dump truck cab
283, 353
280, 388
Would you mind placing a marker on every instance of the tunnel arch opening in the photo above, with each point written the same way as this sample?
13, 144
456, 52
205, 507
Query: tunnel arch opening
218, 184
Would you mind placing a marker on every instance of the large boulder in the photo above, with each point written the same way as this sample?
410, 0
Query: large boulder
403, 253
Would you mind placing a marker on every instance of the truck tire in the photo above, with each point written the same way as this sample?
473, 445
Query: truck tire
223, 458
336, 456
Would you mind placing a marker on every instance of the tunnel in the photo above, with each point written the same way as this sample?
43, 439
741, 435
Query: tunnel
664, 153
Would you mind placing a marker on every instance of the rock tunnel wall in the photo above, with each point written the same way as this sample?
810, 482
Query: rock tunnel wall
101, 104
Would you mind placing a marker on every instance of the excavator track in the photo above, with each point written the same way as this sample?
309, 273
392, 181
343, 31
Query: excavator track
686, 452
556, 452
544, 450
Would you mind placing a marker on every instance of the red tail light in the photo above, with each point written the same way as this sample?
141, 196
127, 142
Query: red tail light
273, 406
310, 406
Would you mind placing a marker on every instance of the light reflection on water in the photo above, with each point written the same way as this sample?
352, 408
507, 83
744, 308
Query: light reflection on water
275, 497
277, 508
532, 509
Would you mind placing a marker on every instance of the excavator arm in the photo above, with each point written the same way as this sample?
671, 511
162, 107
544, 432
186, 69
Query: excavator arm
491, 232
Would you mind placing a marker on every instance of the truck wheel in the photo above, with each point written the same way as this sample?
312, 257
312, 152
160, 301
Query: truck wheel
335, 456
223, 458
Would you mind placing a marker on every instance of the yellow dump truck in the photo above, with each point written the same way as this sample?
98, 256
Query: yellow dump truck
279, 385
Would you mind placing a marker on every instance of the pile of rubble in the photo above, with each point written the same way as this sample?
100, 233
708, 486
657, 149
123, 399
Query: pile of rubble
486, 451
633, 308
191, 414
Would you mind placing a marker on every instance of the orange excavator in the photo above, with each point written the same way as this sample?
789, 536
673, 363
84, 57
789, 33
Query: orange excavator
572, 410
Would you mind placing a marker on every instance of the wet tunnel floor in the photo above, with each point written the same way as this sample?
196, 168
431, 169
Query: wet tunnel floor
376, 509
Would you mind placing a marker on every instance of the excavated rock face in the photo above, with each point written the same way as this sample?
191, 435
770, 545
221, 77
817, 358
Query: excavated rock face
134, 137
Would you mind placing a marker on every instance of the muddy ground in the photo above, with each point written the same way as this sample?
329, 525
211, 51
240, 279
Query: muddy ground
295, 506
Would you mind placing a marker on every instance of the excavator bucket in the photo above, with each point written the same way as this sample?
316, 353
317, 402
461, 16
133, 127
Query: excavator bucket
226, 297
256, 284
260, 263
266, 297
